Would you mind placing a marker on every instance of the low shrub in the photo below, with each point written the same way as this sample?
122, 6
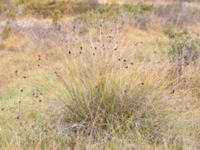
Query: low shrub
184, 48
134, 10
186, 44
177, 14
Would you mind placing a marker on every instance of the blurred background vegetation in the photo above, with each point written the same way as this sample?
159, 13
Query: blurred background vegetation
88, 74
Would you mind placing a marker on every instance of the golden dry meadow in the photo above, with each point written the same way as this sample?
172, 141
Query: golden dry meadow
98, 75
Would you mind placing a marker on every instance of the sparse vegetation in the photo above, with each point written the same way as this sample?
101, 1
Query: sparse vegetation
102, 76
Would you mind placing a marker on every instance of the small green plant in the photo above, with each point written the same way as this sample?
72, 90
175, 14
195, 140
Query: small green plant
11, 15
57, 15
104, 9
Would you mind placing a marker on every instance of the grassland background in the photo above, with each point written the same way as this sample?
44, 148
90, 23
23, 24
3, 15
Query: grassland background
125, 75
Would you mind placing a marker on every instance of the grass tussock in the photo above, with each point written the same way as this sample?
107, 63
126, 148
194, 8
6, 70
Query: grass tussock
98, 82
115, 96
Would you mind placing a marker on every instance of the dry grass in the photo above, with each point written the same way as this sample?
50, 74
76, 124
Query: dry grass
112, 86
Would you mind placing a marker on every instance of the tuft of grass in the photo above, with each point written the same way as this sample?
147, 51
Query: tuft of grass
112, 96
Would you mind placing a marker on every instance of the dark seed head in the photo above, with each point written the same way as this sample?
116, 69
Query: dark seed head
131, 63
70, 52
124, 60
22, 90
2, 109
173, 91
32, 126
126, 67
142, 83
17, 117
24, 77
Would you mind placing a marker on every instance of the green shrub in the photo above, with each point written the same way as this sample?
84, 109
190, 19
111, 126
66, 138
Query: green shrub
184, 49
139, 8
183, 42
